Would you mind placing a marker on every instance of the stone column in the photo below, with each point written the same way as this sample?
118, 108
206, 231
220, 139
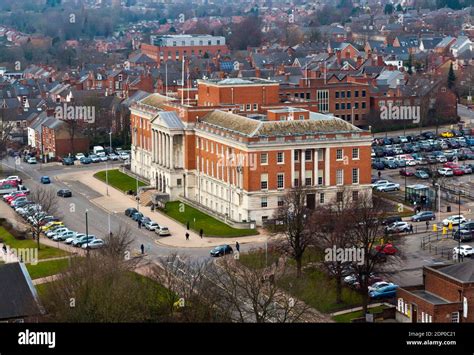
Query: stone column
303, 167
327, 174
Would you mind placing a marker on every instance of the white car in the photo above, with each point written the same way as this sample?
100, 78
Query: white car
162, 231
63, 236
79, 156
464, 250
113, 156
52, 233
15, 178
94, 244
124, 156
445, 172
31, 160
454, 220
380, 183
388, 187
151, 226
103, 158
71, 239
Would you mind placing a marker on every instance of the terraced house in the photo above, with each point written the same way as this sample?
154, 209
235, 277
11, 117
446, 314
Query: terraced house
239, 168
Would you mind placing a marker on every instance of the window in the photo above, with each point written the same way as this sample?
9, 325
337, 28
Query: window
339, 153
343, 94
356, 105
339, 197
296, 182
355, 176
455, 317
321, 197
348, 105
255, 107
263, 202
343, 106
296, 155
308, 155
308, 181
263, 158
280, 180
363, 93
348, 94
339, 177
356, 93
337, 106
218, 42
281, 201
179, 182
337, 94
355, 153
301, 117
320, 180
363, 105
248, 107
264, 181
323, 100
355, 196
280, 158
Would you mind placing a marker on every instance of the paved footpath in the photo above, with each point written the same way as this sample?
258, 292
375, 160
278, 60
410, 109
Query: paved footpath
118, 202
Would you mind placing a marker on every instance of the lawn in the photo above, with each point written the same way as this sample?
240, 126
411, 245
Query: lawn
315, 287
347, 317
45, 252
119, 180
211, 226
47, 268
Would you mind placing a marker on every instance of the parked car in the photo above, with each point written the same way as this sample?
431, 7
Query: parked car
387, 249
389, 220
94, 158
137, 216
94, 244
389, 291
380, 284
406, 172
466, 235
458, 172
31, 160
398, 227
83, 240
113, 157
15, 178
378, 165
60, 237
466, 169
51, 225
423, 216
45, 180
67, 161
64, 193
71, 239
79, 156
151, 226
447, 134
388, 187
454, 220
163, 231
464, 250
57, 231
130, 211
445, 172
221, 250
421, 174
85, 160
380, 183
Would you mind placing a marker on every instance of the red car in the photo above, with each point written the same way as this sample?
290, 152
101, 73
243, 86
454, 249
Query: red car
9, 200
450, 165
458, 172
388, 249
406, 172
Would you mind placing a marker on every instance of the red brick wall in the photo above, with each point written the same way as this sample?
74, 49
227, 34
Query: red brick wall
214, 95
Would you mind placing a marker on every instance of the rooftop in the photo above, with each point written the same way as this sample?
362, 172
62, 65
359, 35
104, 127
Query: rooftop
238, 81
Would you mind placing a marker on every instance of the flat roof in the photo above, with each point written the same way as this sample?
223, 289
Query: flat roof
430, 297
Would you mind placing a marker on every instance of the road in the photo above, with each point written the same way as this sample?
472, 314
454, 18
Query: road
73, 209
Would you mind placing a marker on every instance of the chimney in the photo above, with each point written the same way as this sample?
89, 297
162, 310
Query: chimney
380, 62
287, 77
257, 72
338, 55
359, 61
348, 55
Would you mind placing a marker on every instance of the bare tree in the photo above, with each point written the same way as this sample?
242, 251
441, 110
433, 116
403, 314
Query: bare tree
6, 128
46, 202
330, 225
117, 244
253, 295
295, 228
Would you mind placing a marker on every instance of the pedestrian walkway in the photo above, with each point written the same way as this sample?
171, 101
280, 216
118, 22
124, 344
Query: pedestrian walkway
116, 202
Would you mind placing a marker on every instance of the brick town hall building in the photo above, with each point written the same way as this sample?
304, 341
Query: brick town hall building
226, 159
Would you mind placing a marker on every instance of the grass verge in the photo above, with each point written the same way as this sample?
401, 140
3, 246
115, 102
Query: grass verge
119, 180
47, 268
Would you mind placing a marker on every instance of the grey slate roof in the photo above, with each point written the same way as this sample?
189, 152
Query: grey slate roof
18, 297
462, 271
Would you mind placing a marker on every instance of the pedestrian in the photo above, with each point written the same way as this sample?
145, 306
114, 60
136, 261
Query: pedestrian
142, 247
187, 225
139, 224
427, 224
187, 236
379, 174
411, 228
237, 246
4, 249
201, 232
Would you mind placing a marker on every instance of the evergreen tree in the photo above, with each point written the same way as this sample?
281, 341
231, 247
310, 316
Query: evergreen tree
451, 76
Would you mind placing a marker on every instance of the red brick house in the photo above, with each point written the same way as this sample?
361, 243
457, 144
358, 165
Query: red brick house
446, 296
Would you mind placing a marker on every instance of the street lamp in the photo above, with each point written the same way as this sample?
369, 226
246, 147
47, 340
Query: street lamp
459, 224
87, 234
439, 202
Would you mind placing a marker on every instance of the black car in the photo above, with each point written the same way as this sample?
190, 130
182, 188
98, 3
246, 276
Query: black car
378, 165
137, 216
64, 193
68, 161
391, 219
221, 250
429, 135
466, 235
423, 216
130, 211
